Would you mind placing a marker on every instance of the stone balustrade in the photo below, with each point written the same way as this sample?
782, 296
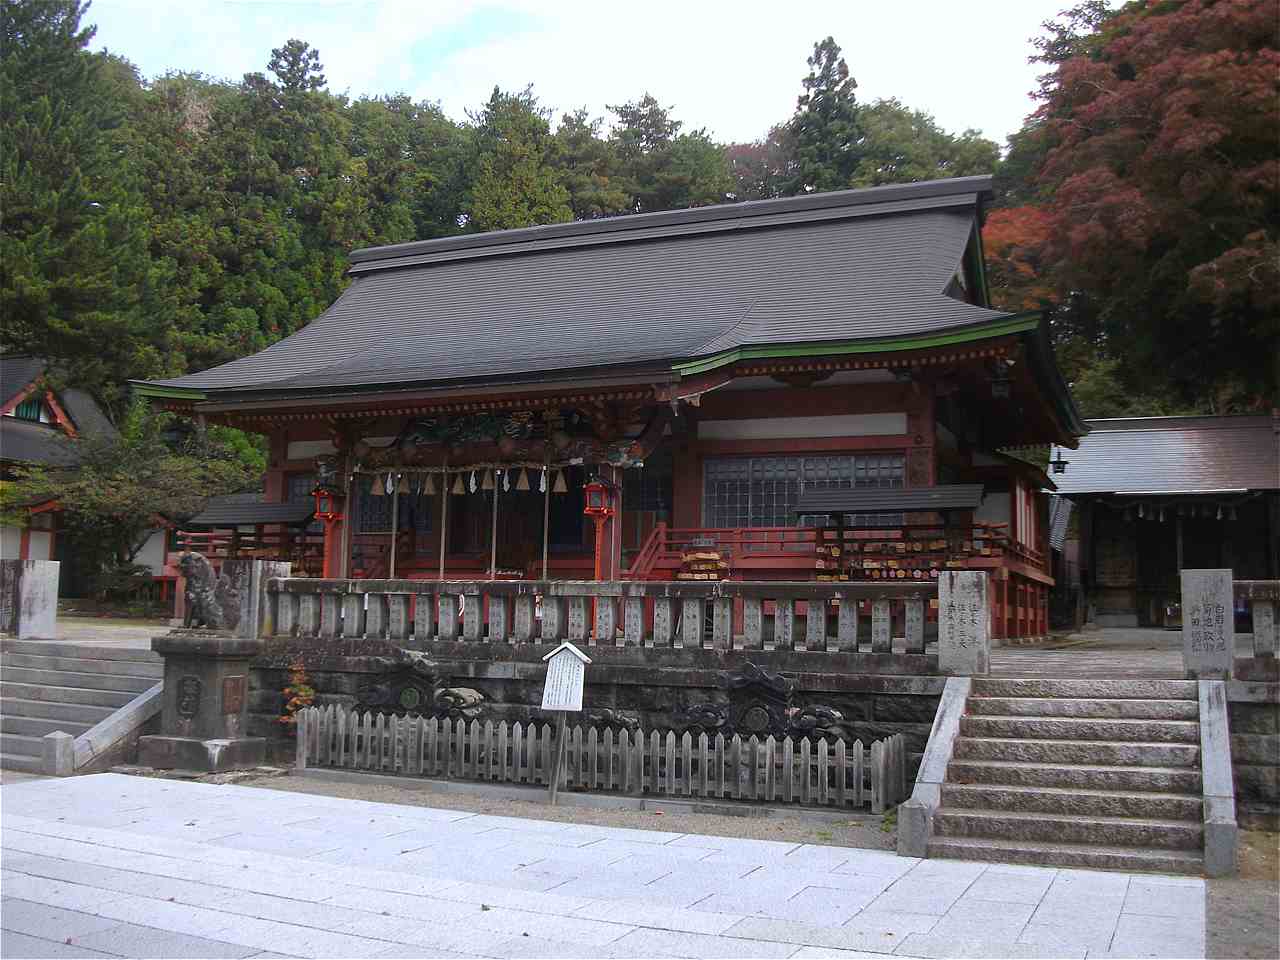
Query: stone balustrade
719, 615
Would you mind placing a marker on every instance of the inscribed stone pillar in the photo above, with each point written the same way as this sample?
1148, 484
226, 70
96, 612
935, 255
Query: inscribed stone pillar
1208, 624
29, 598
964, 623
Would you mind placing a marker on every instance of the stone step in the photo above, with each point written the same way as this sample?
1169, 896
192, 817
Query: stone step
21, 762
1075, 775
1084, 707
52, 710
1081, 728
17, 744
85, 681
1067, 828
63, 648
1132, 754
115, 668
1069, 855
38, 727
35, 691
1073, 801
1086, 689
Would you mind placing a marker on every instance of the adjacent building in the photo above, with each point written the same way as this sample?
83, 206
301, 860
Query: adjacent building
1157, 495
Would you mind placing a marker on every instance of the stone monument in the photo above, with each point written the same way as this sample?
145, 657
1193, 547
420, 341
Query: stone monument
204, 712
964, 623
1208, 624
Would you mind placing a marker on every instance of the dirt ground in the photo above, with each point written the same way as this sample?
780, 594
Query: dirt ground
1244, 910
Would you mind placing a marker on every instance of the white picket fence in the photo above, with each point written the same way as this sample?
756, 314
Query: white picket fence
772, 770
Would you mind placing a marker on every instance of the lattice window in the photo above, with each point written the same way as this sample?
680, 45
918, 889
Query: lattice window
763, 491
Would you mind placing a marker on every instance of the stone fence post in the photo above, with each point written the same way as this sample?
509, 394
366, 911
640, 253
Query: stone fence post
1208, 624
964, 623
29, 598
257, 610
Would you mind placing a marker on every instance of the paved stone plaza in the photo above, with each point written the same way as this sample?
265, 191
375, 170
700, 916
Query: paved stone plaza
112, 865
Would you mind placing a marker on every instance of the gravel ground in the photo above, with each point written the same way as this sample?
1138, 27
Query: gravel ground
866, 834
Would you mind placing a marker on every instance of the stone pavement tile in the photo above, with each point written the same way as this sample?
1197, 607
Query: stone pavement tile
501, 836
919, 895
708, 875
822, 953
852, 882
287, 844
990, 928
822, 905
261, 906
1093, 935
966, 910
874, 863
617, 849
951, 870
132, 940
1009, 887
531, 878
176, 917
891, 926
19, 945
638, 870
268, 955
69, 896
478, 893
384, 902
539, 948
668, 943
626, 890
430, 939
655, 837
365, 827
304, 942
1142, 936
765, 848
50, 922
406, 951
1094, 881
811, 934
811, 856
927, 945
1164, 900
515, 923
665, 918
1064, 911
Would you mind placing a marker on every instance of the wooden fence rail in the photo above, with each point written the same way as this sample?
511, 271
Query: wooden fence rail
812, 773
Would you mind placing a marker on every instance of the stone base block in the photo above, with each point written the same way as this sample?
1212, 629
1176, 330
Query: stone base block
205, 756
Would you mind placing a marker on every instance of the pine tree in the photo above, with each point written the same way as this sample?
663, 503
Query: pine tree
825, 129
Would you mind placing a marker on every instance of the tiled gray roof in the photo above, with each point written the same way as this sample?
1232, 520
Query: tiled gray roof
645, 290
245, 508
1174, 455
28, 442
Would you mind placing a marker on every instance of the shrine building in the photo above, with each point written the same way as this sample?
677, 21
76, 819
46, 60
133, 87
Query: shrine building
807, 388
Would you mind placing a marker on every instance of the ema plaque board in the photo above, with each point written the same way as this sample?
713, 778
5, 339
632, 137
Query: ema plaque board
566, 676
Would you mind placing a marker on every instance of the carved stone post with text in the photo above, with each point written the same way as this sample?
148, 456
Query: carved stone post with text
1208, 624
964, 624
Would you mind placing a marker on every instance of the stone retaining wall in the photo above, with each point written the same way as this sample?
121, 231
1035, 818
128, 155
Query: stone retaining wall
1255, 753
783, 692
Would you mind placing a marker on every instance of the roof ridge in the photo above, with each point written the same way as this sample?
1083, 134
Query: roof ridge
742, 213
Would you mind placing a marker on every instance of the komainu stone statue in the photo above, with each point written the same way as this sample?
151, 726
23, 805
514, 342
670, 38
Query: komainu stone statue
459, 702
209, 598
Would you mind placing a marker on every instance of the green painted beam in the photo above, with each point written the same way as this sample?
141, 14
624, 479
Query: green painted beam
144, 389
1018, 323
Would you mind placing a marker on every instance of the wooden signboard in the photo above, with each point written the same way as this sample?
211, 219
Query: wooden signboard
566, 678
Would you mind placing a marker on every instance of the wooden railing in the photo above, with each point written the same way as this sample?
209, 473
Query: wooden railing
722, 615
903, 551
811, 773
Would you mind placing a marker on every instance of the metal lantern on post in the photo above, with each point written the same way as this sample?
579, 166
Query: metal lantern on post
598, 505
327, 512
1059, 463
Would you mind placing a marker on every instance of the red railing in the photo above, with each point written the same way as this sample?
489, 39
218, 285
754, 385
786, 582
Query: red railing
778, 552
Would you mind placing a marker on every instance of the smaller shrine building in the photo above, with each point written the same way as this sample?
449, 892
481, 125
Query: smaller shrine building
812, 387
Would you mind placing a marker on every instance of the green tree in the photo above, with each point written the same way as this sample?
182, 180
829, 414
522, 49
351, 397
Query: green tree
516, 183
589, 167
901, 145
113, 486
661, 168
76, 281
762, 170
825, 130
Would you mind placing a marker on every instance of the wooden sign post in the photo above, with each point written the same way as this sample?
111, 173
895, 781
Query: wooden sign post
566, 677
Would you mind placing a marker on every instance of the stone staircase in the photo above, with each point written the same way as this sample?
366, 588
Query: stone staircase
1093, 773
47, 686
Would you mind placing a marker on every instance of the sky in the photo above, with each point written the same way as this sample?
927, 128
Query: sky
731, 67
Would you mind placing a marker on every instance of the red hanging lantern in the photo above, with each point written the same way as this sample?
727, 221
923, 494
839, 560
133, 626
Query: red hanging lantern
326, 508
597, 499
